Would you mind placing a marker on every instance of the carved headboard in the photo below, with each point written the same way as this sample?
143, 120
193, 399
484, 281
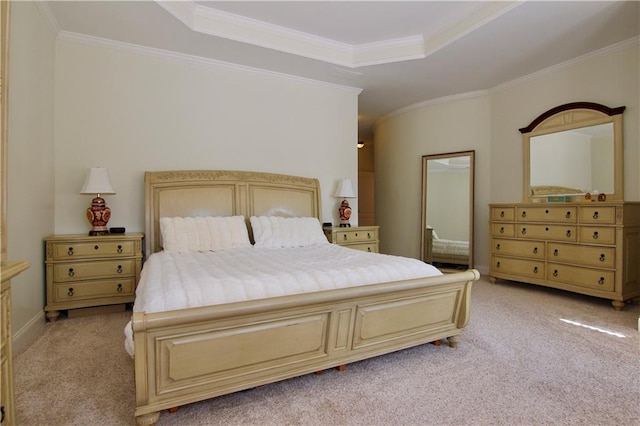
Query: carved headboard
192, 193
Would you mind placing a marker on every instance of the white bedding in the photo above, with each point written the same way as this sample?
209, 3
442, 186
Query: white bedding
172, 281
450, 247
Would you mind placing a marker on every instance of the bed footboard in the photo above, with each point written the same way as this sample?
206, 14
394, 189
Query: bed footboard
193, 354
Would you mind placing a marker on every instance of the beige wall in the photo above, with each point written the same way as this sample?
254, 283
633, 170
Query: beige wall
400, 143
78, 105
489, 124
131, 112
30, 155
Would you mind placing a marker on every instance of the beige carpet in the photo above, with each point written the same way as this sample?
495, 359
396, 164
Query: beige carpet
518, 363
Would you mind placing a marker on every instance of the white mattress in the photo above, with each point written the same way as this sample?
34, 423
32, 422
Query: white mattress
171, 281
450, 247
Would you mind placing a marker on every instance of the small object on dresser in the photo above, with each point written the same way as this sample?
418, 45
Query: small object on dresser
602, 197
117, 230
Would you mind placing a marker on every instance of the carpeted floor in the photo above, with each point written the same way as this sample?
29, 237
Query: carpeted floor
529, 356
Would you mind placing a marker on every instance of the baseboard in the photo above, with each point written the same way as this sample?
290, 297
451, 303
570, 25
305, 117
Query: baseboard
28, 334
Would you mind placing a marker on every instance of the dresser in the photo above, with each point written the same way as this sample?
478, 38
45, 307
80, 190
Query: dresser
363, 238
8, 271
591, 248
87, 271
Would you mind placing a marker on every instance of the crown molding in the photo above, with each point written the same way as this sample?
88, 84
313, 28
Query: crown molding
194, 60
48, 16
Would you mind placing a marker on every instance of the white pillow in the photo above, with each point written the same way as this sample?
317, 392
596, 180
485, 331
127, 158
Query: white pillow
275, 231
180, 234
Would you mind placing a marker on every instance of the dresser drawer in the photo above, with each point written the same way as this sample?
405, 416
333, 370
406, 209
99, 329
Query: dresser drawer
503, 229
503, 213
368, 247
529, 268
599, 257
93, 289
87, 250
548, 232
582, 277
530, 249
357, 235
76, 271
597, 235
598, 214
558, 214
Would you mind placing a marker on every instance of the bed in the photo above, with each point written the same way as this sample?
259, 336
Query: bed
439, 250
187, 355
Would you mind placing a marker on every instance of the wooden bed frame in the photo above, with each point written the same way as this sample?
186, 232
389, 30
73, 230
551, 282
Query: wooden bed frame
434, 257
189, 355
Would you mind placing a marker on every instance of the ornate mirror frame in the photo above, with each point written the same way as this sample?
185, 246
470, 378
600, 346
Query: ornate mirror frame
571, 116
427, 235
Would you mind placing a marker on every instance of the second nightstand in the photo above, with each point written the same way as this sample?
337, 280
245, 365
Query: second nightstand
363, 238
86, 271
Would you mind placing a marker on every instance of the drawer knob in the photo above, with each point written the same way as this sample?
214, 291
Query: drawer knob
70, 292
595, 235
502, 214
344, 237
601, 280
498, 246
535, 250
369, 235
119, 249
535, 269
524, 214
568, 233
555, 273
119, 289
498, 264
96, 247
568, 215
71, 272
555, 252
546, 211
70, 251
524, 231
502, 230
369, 249
595, 215
119, 269
602, 257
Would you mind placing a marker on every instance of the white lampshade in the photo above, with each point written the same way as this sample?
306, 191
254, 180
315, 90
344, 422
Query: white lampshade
97, 182
345, 189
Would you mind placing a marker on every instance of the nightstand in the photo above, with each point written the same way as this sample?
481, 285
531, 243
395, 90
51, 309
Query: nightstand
363, 238
89, 271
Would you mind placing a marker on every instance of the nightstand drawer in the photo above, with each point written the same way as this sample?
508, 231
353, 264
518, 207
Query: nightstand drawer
88, 250
370, 247
93, 289
76, 271
343, 237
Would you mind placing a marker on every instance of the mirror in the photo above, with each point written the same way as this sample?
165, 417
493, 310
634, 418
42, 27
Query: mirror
447, 210
574, 150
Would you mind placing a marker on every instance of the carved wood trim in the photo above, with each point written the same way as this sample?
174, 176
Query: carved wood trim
572, 106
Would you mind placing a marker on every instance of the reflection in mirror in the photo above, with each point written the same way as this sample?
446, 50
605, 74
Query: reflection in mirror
575, 161
571, 150
447, 210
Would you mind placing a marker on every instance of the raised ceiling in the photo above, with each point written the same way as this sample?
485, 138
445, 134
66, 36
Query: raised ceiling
399, 53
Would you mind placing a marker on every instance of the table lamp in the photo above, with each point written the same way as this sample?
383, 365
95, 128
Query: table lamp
97, 182
344, 191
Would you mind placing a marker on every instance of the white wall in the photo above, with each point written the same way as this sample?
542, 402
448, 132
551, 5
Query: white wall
489, 124
30, 156
131, 112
